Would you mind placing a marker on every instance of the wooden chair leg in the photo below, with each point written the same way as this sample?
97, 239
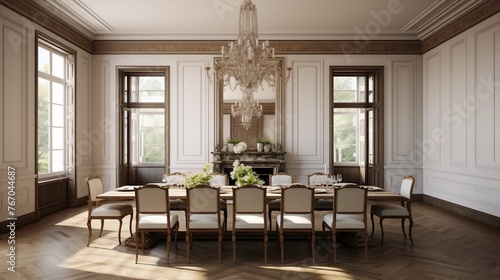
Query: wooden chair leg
410, 233
120, 232
382, 230
130, 226
220, 244
136, 246
234, 246
176, 231
169, 237
225, 220
334, 242
102, 226
403, 226
323, 227
89, 226
313, 239
188, 246
373, 225
270, 220
265, 247
282, 246
366, 245
142, 241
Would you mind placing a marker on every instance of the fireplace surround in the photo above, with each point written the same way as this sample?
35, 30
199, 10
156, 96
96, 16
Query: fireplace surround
263, 163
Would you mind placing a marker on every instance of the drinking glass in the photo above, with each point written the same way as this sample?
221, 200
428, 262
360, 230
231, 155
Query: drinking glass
164, 178
331, 180
339, 178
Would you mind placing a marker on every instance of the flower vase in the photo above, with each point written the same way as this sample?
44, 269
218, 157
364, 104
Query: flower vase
267, 148
260, 147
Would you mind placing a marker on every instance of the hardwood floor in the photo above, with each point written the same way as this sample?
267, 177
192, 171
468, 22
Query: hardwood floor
447, 246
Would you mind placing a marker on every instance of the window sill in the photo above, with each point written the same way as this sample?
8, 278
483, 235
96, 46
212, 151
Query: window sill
52, 179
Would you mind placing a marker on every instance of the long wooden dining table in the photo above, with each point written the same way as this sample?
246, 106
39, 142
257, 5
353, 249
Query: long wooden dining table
273, 192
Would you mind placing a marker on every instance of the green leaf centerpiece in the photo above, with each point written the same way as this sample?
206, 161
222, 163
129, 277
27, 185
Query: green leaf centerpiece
243, 174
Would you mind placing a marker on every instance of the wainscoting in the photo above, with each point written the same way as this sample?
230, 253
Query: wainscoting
52, 196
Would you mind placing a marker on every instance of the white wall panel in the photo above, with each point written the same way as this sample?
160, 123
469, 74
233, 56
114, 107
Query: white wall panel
104, 115
307, 113
190, 133
404, 112
479, 193
83, 124
24, 196
102, 136
483, 104
454, 117
14, 97
432, 109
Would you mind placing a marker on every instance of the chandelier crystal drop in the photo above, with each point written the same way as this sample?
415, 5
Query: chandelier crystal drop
247, 63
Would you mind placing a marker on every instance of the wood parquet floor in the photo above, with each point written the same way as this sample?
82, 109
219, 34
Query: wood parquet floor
447, 246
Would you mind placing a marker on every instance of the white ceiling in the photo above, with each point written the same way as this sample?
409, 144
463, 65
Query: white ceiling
278, 19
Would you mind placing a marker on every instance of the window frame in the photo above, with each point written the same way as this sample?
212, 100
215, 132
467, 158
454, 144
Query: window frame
126, 151
68, 81
374, 168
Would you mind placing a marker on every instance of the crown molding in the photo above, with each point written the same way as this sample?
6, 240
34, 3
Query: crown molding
282, 47
479, 14
41, 17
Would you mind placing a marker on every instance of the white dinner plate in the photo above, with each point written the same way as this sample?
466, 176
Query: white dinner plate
320, 191
373, 188
126, 188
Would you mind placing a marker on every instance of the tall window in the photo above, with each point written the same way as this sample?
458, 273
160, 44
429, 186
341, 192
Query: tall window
143, 95
356, 111
349, 120
55, 81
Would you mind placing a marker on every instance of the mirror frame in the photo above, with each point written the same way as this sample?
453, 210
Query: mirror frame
279, 122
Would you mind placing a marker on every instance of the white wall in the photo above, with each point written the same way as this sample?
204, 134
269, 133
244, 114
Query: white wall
17, 111
461, 119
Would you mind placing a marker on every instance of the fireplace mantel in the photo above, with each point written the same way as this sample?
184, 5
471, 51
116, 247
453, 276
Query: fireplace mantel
275, 160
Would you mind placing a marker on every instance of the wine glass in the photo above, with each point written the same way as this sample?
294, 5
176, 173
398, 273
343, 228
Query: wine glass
164, 178
331, 180
339, 178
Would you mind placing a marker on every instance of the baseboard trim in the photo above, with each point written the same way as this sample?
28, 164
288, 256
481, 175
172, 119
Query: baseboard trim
475, 215
19, 222
72, 203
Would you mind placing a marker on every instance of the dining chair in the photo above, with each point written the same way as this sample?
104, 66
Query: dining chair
152, 205
313, 180
296, 214
218, 180
278, 179
173, 179
203, 214
249, 213
99, 211
349, 214
316, 178
393, 211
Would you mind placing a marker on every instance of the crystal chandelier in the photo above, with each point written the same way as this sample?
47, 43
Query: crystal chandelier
247, 63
